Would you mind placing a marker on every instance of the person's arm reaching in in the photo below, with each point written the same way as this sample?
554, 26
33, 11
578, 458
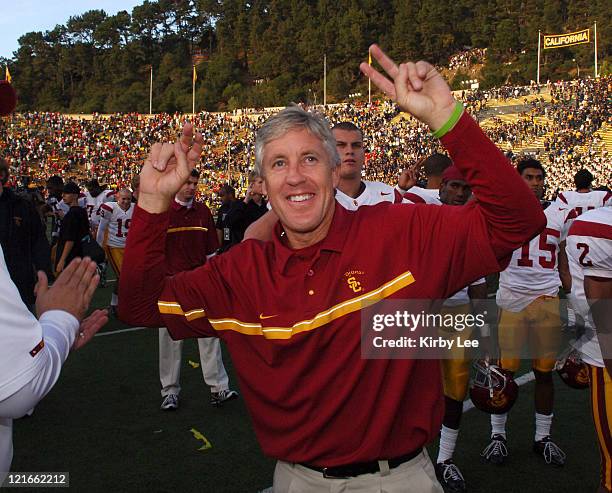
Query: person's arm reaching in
61, 326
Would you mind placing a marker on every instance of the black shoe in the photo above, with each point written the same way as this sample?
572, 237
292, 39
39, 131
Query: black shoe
450, 477
550, 451
219, 398
496, 452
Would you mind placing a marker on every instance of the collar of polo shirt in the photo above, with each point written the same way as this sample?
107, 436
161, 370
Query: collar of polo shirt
334, 241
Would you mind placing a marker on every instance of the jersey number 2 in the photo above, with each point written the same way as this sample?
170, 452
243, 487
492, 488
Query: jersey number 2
585, 251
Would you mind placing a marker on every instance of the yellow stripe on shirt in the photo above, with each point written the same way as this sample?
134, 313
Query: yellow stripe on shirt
322, 318
187, 228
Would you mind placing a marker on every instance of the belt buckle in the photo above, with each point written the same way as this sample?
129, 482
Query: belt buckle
329, 476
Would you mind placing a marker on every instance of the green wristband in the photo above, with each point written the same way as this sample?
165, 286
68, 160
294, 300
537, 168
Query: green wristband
451, 122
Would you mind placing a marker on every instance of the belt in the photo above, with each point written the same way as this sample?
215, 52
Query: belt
359, 468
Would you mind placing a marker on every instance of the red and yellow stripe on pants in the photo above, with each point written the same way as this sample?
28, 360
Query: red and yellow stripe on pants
115, 257
601, 406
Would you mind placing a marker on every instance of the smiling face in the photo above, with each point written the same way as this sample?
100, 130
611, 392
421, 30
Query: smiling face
352, 155
124, 199
299, 181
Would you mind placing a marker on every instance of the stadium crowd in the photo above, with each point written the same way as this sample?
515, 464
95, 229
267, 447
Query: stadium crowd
111, 148
466, 58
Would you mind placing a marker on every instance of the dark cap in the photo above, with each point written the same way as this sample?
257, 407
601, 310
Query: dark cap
452, 173
71, 187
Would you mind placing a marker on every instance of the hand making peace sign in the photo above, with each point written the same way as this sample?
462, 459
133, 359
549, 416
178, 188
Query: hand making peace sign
417, 88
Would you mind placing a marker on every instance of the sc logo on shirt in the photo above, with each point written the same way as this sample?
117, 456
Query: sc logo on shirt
352, 281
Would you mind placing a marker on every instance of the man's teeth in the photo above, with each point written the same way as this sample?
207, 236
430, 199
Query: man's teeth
300, 198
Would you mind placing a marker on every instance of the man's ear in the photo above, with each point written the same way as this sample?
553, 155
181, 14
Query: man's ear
336, 176
263, 187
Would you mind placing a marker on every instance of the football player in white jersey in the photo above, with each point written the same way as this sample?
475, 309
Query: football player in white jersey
353, 192
584, 198
589, 250
95, 197
116, 217
434, 166
581, 200
529, 317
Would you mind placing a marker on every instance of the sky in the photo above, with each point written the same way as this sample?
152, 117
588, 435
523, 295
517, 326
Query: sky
19, 17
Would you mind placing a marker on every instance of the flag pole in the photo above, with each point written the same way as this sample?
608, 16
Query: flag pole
325, 80
538, 77
595, 33
369, 80
151, 92
193, 79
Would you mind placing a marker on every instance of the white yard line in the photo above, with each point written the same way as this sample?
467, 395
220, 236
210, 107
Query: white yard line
112, 332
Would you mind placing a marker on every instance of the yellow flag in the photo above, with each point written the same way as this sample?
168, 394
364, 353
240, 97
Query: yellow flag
195, 74
369, 57
7, 75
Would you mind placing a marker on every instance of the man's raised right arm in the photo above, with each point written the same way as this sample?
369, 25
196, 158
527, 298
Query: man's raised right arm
143, 275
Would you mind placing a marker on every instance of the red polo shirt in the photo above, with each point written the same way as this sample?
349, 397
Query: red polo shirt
190, 237
291, 318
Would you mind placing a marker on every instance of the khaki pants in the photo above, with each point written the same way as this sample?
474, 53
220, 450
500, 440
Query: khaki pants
170, 352
414, 476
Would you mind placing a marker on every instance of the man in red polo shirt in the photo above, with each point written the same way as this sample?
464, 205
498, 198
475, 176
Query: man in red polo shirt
191, 236
289, 309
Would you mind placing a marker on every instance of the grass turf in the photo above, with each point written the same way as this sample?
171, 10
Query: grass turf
102, 424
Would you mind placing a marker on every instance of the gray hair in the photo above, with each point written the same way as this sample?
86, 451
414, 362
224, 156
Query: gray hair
291, 118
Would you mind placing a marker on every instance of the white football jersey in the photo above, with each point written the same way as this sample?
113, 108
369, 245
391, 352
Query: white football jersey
533, 270
374, 193
589, 252
118, 222
94, 203
582, 202
418, 195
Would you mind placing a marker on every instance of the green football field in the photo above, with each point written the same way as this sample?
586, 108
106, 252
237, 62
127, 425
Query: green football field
102, 424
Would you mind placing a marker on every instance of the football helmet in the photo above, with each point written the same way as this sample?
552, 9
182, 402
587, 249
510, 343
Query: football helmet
492, 389
572, 370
